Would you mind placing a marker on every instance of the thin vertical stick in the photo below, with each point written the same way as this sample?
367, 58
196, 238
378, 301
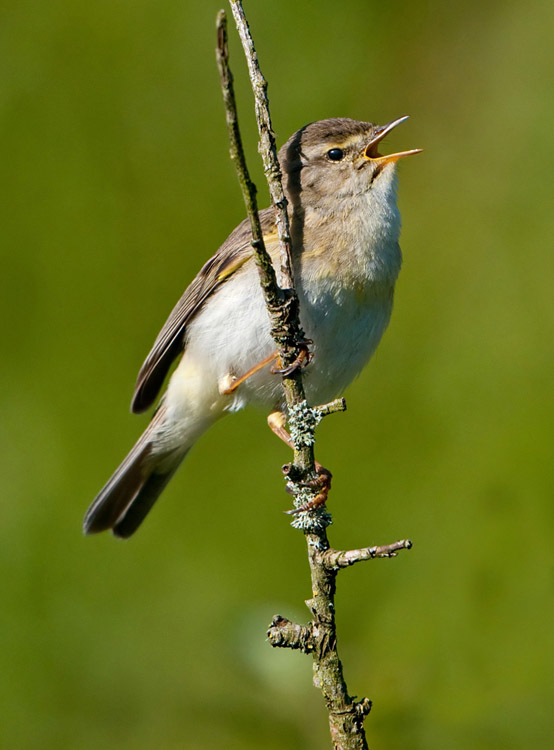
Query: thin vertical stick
282, 304
319, 637
267, 145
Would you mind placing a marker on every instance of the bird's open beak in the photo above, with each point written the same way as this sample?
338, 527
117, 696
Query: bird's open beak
372, 153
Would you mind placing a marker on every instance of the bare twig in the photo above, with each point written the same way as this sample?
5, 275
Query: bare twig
346, 715
267, 147
283, 633
273, 294
335, 559
282, 305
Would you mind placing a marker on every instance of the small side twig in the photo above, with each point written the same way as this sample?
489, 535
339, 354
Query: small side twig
283, 633
335, 559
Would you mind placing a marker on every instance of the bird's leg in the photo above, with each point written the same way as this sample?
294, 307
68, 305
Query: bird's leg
230, 383
276, 421
322, 483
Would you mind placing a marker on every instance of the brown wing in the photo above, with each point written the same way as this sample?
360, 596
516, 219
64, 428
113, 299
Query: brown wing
234, 253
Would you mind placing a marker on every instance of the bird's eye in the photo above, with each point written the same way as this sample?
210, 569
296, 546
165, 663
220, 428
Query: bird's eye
335, 154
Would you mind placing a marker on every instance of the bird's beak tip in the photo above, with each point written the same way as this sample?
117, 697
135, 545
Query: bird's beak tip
371, 152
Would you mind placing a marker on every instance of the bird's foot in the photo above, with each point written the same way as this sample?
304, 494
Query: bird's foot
302, 360
322, 483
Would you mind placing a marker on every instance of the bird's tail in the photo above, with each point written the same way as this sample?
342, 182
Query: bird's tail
123, 503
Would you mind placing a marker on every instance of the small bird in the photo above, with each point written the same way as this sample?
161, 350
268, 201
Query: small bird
345, 226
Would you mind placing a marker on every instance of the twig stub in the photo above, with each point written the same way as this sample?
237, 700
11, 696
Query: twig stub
335, 559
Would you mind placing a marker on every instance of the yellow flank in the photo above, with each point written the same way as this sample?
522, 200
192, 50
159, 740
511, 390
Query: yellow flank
345, 272
317, 252
333, 261
232, 267
269, 239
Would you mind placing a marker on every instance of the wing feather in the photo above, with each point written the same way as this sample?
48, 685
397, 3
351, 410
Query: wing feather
170, 342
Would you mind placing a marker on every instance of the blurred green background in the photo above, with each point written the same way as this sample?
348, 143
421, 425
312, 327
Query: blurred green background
116, 186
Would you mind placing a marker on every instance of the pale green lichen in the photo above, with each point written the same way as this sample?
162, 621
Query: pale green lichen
312, 521
303, 419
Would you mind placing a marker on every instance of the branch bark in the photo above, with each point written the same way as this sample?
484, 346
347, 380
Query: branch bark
282, 303
319, 638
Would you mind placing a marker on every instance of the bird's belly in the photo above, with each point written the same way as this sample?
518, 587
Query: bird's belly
345, 332
231, 335
227, 338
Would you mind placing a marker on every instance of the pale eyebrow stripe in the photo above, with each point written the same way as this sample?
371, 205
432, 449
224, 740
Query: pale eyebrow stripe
343, 144
353, 139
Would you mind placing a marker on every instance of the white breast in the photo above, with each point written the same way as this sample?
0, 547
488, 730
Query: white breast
345, 304
346, 293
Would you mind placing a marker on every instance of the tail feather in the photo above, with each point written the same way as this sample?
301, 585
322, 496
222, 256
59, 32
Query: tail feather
123, 503
135, 513
118, 493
